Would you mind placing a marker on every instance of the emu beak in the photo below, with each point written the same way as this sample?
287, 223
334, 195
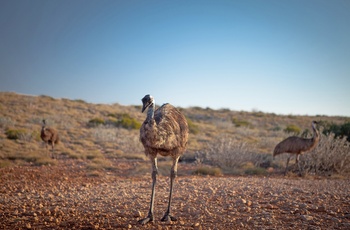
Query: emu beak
145, 106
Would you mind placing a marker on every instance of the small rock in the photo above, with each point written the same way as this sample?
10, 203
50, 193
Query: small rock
241, 201
297, 190
137, 214
249, 203
306, 217
335, 219
321, 209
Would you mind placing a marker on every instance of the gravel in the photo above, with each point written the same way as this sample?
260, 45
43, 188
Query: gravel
65, 196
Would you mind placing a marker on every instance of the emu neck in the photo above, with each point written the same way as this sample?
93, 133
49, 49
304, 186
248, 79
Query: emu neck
150, 112
316, 134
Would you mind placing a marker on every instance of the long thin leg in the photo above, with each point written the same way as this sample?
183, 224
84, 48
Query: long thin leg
297, 161
154, 180
173, 174
47, 148
52, 151
285, 171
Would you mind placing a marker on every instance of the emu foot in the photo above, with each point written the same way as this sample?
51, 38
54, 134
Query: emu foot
144, 221
168, 217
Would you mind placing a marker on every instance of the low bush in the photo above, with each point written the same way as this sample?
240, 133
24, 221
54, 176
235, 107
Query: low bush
240, 123
194, 129
96, 122
128, 122
18, 134
331, 156
292, 129
255, 171
205, 170
338, 130
125, 121
225, 152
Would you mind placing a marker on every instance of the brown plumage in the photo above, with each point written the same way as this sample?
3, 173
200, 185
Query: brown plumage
164, 132
49, 136
297, 145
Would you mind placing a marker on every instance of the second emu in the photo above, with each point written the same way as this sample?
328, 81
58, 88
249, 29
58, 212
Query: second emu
49, 136
297, 145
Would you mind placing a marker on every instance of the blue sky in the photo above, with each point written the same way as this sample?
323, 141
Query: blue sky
285, 57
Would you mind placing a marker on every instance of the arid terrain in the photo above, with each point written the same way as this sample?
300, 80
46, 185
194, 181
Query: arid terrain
63, 196
227, 178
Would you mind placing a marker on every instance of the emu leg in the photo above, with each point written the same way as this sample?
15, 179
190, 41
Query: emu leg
285, 171
52, 151
154, 180
297, 161
173, 173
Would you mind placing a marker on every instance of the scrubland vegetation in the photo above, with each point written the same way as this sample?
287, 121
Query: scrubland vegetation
220, 142
101, 179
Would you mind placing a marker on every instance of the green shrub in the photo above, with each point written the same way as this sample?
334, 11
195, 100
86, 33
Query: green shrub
338, 130
192, 126
127, 122
15, 134
240, 123
80, 101
96, 122
292, 129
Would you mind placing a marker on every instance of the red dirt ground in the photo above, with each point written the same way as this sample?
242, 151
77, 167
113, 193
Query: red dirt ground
64, 196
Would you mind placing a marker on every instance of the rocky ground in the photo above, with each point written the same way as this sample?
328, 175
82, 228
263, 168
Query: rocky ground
64, 196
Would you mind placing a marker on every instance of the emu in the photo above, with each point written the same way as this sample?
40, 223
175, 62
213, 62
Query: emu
297, 145
164, 132
49, 136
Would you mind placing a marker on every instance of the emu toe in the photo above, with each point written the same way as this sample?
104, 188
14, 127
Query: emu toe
168, 217
146, 220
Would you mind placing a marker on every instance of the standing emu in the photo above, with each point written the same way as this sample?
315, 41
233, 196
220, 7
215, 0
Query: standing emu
297, 145
164, 132
49, 136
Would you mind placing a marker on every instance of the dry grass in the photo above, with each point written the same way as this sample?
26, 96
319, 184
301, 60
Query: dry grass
254, 134
332, 156
207, 170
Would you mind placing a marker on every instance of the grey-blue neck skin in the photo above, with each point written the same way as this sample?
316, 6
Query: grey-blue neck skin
316, 135
150, 111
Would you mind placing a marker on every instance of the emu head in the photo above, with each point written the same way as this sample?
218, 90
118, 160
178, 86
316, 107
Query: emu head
147, 101
314, 123
44, 125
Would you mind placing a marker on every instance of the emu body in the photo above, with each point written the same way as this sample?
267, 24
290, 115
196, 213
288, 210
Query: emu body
164, 132
296, 146
49, 136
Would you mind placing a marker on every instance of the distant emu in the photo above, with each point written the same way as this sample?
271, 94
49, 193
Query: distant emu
297, 145
49, 136
164, 132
